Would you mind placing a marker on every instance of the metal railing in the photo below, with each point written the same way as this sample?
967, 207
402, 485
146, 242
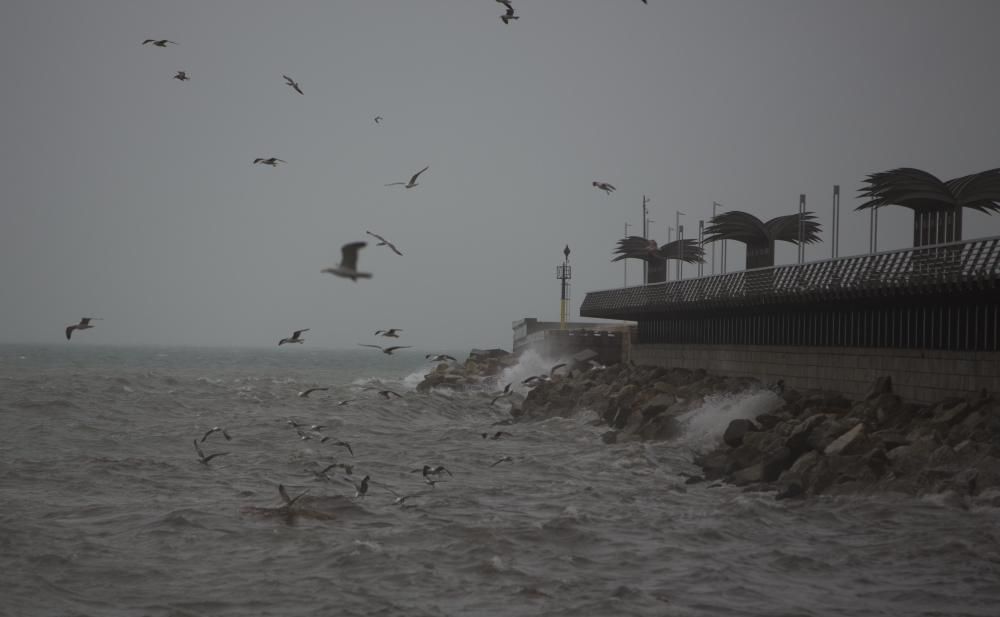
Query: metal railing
957, 266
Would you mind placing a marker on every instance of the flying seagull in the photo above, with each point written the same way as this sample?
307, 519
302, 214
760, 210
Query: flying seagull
505, 459
201, 455
182, 75
273, 162
441, 357
496, 435
361, 488
386, 350
386, 394
427, 470
509, 15
348, 469
291, 82
216, 429
348, 267
413, 181
552, 371
378, 119
384, 242
295, 338
342, 444
83, 325
306, 393
391, 332
506, 392
289, 502
160, 43
604, 186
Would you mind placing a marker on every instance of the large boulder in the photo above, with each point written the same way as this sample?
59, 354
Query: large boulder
737, 429
850, 442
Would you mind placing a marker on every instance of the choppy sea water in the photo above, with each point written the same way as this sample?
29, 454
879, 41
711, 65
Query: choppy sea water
106, 511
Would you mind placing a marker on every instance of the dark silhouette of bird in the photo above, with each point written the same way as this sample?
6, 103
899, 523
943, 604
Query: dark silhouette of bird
295, 338
83, 325
216, 429
159, 43
496, 435
273, 161
306, 393
348, 267
604, 186
291, 82
391, 332
204, 460
290, 501
413, 181
384, 242
386, 350
182, 76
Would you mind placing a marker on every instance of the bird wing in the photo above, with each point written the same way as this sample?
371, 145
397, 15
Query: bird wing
256, 161
69, 331
298, 89
506, 3
393, 331
289, 80
376, 236
207, 433
298, 333
165, 41
374, 347
396, 183
389, 350
413, 180
211, 456
201, 454
85, 321
393, 247
442, 468
349, 255
279, 160
556, 367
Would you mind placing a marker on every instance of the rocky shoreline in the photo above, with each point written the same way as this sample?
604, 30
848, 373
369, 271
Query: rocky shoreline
809, 443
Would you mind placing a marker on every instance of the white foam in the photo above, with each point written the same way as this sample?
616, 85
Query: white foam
528, 363
703, 427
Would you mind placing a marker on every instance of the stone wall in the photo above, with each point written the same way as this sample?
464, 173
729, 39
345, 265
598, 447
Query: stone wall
917, 375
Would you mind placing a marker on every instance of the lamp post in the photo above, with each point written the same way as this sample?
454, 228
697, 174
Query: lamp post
645, 234
670, 238
701, 243
722, 270
564, 273
836, 222
680, 236
625, 261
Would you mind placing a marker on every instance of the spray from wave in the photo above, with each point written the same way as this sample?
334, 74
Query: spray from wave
704, 426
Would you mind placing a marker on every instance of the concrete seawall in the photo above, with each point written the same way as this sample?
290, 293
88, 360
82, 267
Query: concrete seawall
918, 375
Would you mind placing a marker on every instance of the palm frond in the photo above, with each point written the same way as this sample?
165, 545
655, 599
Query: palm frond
921, 191
786, 228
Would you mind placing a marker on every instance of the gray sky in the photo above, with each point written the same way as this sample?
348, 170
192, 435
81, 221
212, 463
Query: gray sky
129, 195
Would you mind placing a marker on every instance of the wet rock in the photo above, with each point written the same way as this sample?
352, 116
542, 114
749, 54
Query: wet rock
951, 415
848, 443
657, 405
610, 437
748, 475
799, 439
733, 437
775, 463
910, 459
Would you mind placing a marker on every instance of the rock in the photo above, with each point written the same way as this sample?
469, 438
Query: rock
798, 441
657, 405
848, 443
826, 433
663, 387
768, 421
775, 463
882, 385
791, 490
951, 415
909, 460
891, 439
733, 436
610, 437
748, 475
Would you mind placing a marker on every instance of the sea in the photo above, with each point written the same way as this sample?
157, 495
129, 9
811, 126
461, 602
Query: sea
106, 509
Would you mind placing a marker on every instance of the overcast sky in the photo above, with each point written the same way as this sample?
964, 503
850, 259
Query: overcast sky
128, 195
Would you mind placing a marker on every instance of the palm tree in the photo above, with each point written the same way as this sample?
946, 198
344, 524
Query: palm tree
637, 247
760, 236
937, 206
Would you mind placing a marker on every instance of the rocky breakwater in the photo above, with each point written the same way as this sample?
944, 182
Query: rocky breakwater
480, 365
807, 443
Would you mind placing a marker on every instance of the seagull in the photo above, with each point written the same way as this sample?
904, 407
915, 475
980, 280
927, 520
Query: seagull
604, 186
506, 392
386, 350
201, 455
293, 423
384, 242
83, 325
552, 371
386, 394
510, 12
295, 338
348, 267
216, 429
273, 162
497, 435
160, 43
432, 471
317, 427
431, 481
441, 357
413, 181
306, 393
289, 502
303, 435
182, 75
291, 82
342, 444
535, 380
505, 459
391, 332
361, 488
348, 469
378, 119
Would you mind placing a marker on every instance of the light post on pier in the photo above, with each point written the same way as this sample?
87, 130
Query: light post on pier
564, 273
645, 234
701, 243
680, 236
722, 270
625, 261
670, 237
